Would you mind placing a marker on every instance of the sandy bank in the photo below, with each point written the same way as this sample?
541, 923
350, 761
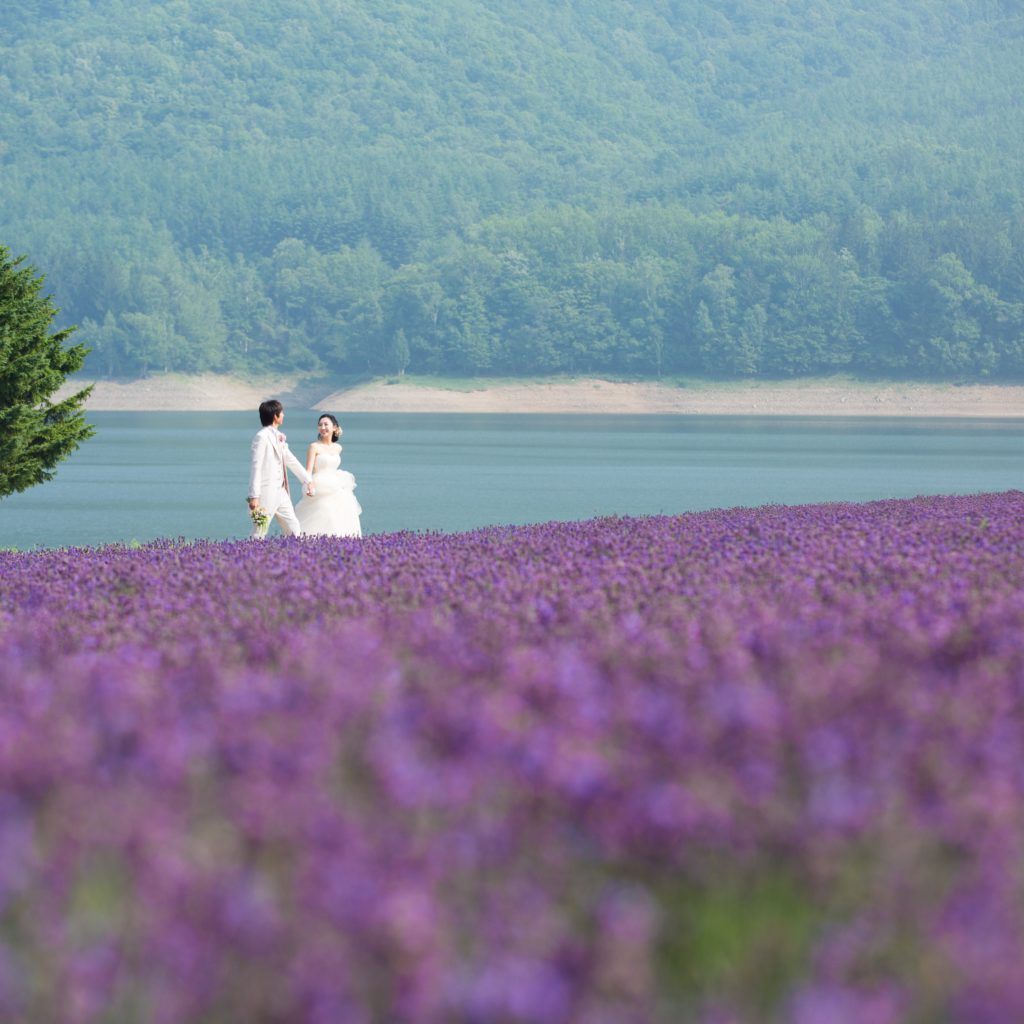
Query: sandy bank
172, 392
824, 397
795, 398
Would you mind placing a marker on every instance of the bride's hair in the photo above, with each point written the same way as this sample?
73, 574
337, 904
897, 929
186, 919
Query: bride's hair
336, 433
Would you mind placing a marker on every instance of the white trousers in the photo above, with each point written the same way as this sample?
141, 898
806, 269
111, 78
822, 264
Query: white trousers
281, 508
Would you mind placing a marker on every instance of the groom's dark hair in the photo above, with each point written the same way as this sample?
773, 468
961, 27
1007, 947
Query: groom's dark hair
268, 410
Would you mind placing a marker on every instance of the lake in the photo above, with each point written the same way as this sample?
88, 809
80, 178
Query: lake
163, 474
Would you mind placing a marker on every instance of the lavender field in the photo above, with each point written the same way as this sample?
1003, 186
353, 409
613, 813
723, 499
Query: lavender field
740, 766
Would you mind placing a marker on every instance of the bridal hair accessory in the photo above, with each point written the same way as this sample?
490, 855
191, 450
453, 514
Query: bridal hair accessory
260, 519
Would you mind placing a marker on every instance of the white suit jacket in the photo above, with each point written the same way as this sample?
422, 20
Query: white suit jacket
270, 456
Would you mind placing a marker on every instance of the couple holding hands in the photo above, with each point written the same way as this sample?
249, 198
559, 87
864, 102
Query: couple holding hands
329, 507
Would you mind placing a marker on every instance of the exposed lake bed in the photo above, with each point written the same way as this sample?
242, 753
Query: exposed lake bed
824, 396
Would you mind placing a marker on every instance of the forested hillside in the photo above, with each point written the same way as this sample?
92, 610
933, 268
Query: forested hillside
726, 187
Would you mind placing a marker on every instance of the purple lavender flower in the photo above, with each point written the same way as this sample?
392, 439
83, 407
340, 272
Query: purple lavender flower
743, 765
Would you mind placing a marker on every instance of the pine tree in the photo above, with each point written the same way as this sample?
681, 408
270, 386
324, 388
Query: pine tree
35, 432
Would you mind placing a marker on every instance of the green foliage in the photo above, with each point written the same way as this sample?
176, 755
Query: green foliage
742, 934
468, 186
35, 433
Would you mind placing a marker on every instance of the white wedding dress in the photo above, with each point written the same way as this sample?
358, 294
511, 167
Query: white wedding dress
333, 510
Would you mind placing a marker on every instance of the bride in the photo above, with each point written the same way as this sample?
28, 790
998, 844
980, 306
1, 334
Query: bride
332, 509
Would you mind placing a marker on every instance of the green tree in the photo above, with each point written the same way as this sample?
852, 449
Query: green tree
35, 433
954, 308
469, 339
400, 352
722, 348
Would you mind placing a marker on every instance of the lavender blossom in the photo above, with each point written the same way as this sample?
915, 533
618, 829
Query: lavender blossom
745, 765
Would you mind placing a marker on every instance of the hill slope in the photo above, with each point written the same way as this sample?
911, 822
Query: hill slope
472, 186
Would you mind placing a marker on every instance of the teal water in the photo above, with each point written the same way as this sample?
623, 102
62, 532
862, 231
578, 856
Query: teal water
149, 475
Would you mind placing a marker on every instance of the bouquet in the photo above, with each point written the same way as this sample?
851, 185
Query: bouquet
260, 519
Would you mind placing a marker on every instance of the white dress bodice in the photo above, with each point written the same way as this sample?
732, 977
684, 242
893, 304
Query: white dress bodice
328, 460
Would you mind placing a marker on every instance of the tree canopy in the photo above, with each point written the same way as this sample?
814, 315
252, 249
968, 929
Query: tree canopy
629, 186
36, 433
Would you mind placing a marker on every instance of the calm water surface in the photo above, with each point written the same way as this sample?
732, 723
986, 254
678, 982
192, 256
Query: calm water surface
148, 475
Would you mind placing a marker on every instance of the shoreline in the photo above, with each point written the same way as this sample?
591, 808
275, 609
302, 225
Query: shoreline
830, 396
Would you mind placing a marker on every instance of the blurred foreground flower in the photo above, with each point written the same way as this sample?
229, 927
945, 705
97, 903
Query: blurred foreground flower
749, 765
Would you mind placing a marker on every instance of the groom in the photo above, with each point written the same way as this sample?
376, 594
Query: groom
268, 477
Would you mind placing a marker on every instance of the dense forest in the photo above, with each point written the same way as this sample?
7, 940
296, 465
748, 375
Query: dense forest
718, 187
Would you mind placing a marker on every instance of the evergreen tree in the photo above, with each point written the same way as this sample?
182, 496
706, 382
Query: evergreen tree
35, 433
